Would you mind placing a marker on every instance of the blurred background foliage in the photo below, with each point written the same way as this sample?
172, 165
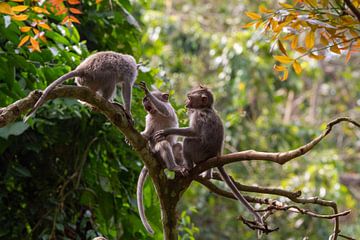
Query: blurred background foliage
70, 173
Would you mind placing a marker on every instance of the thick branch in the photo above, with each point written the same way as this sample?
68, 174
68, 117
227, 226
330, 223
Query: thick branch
276, 157
353, 8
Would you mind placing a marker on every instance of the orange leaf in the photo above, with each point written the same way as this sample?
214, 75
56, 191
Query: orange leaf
5, 8
297, 67
335, 49
44, 25
42, 37
348, 56
24, 40
21, 17
74, 19
75, 11
98, 1
284, 59
35, 44
73, 2
36, 31
17, 0
19, 8
310, 40
248, 25
25, 29
61, 12
285, 5
281, 47
253, 16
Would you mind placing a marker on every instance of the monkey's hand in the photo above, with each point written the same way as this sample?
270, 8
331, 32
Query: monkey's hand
143, 86
160, 135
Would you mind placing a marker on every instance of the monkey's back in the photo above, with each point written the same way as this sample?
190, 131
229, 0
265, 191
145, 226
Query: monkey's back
106, 66
209, 125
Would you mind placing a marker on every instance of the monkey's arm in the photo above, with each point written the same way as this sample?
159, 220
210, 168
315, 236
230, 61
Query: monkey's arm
185, 132
159, 105
147, 132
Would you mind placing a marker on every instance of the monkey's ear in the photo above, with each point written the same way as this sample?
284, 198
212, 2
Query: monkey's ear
165, 96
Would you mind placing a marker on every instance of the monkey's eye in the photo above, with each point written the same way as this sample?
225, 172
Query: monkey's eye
145, 99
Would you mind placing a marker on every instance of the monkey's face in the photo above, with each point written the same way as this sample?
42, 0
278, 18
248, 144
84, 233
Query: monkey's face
197, 100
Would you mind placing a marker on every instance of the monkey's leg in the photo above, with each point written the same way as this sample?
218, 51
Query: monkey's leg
140, 199
165, 150
127, 92
238, 195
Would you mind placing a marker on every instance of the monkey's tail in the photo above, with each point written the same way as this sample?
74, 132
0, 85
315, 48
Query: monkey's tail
41, 100
238, 195
140, 199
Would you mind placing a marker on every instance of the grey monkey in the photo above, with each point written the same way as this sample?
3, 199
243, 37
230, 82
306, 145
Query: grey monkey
204, 138
160, 115
101, 72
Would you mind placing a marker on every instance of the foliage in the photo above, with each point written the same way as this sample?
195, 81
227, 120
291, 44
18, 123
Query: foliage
81, 178
309, 28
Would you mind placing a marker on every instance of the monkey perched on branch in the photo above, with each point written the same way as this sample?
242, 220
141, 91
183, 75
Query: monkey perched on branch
101, 72
160, 115
204, 138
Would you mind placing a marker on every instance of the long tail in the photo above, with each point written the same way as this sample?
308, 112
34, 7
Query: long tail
238, 195
41, 100
140, 199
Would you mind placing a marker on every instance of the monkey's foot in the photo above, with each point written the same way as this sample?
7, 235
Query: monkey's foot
128, 115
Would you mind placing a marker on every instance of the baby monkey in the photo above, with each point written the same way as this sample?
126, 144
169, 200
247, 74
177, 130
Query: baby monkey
204, 138
160, 115
101, 72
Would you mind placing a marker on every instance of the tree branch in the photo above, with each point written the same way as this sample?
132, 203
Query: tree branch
276, 157
353, 8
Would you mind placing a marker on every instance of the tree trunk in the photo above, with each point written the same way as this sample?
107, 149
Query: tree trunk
169, 220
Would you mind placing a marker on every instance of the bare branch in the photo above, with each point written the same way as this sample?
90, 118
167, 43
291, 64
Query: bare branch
276, 157
353, 8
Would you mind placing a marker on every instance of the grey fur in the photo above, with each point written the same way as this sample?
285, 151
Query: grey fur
204, 138
160, 115
101, 72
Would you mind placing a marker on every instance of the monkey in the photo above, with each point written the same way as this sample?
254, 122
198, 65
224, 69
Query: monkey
204, 138
160, 115
101, 72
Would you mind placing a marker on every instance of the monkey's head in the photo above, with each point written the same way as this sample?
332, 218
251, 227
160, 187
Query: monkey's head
149, 106
200, 97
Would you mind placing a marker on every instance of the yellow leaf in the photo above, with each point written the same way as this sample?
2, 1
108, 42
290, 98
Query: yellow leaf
5, 8
21, 17
310, 40
19, 8
35, 44
44, 25
317, 57
25, 29
312, 3
253, 16
335, 49
285, 75
248, 25
279, 68
40, 10
281, 47
263, 9
284, 59
24, 40
323, 40
294, 42
297, 67
285, 5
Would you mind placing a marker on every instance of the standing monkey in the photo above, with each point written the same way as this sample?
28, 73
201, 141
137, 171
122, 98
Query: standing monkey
101, 72
204, 138
160, 115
